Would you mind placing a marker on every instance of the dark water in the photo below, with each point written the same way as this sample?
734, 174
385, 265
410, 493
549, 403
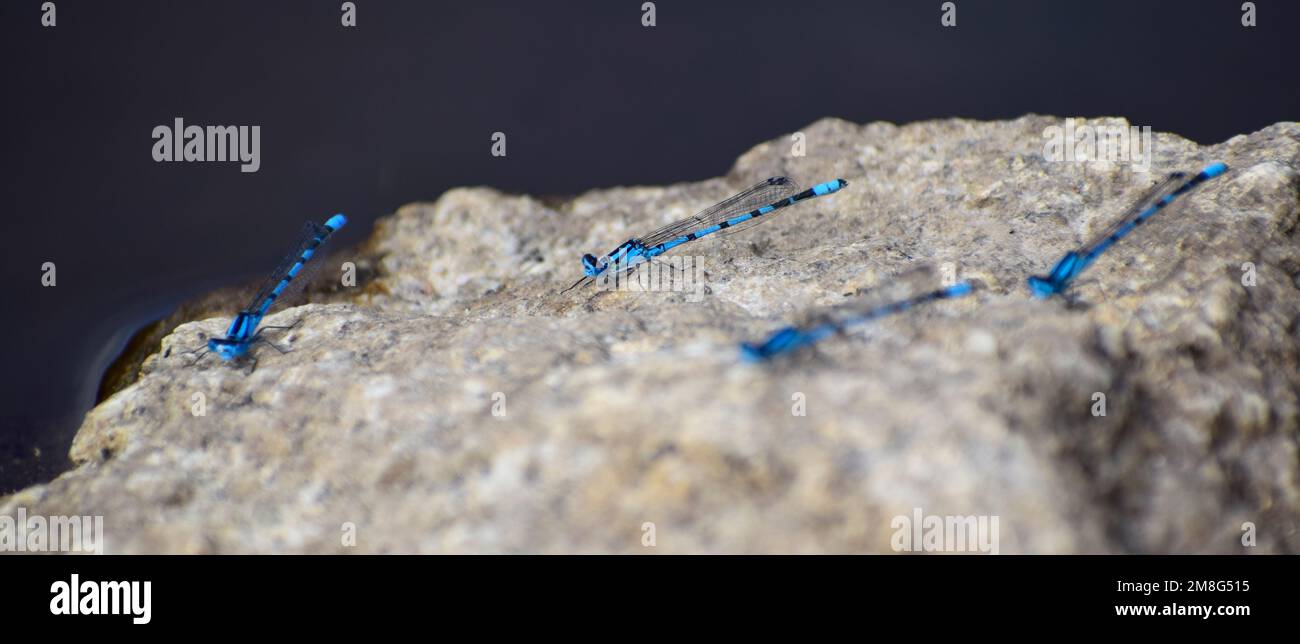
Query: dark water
402, 108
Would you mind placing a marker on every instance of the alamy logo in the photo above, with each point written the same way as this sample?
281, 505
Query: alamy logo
679, 274
38, 533
180, 142
934, 533
1091, 143
76, 597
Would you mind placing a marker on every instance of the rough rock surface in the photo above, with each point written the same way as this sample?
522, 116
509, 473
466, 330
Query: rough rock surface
622, 408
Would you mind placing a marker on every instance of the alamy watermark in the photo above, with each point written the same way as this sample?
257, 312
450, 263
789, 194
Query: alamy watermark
1091, 143
180, 142
36, 533
676, 274
948, 533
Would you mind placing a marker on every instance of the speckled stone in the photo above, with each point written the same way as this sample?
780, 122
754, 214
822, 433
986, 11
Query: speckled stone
618, 409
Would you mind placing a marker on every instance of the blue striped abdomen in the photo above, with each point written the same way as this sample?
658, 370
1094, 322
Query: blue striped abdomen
331, 224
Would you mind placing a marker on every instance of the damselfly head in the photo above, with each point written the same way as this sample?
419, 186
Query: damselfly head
752, 352
1042, 287
779, 341
227, 349
592, 266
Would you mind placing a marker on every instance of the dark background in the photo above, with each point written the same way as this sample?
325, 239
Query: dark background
402, 107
